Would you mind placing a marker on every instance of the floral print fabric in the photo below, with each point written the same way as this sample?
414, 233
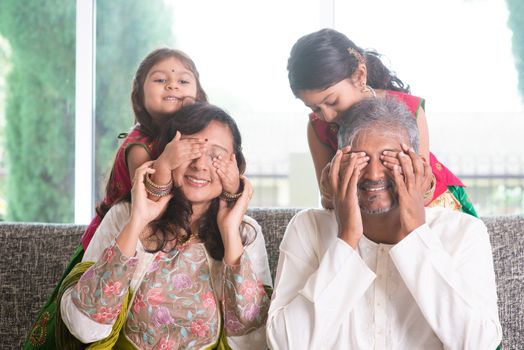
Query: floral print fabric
176, 304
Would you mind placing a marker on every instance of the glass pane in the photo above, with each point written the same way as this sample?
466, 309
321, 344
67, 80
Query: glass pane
37, 104
126, 32
242, 61
458, 56
241, 55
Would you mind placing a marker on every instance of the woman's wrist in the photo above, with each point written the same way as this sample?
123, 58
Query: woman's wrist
233, 247
233, 252
136, 223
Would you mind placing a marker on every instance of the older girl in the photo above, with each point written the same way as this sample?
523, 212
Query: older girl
329, 73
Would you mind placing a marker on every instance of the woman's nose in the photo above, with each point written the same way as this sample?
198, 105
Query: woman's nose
201, 162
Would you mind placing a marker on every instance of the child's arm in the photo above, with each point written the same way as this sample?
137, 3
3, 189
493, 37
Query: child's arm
136, 155
321, 155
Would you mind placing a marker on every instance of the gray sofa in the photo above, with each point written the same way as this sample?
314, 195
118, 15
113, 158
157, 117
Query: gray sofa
33, 256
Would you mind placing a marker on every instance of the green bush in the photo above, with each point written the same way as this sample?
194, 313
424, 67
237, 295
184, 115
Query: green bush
40, 101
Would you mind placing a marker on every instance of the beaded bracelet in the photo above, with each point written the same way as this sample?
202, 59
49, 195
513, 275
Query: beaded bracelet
157, 190
231, 197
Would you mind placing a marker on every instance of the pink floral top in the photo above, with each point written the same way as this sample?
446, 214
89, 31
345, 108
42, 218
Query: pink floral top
177, 296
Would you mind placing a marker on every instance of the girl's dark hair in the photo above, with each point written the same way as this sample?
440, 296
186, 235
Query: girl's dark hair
147, 127
321, 59
174, 223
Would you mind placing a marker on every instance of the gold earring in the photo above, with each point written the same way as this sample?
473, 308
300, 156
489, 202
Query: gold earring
366, 88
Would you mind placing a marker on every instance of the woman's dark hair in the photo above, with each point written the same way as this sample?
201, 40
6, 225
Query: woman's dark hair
147, 127
174, 223
321, 59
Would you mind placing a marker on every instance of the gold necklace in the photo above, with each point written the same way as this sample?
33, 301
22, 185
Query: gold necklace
191, 238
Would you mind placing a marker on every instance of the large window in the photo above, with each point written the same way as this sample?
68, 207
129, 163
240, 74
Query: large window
458, 56
126, 31
37, 110
445, 53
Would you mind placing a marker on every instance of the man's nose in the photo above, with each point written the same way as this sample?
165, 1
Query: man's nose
375, 170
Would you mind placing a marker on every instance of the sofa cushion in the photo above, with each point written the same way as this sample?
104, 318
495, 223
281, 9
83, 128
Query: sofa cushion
33, 257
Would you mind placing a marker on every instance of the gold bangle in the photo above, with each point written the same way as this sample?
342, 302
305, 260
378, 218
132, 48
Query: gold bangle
157, 190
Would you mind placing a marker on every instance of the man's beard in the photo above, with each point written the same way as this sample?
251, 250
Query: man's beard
390, 186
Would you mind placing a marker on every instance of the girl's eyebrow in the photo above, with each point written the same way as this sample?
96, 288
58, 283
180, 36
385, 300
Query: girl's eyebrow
156, 71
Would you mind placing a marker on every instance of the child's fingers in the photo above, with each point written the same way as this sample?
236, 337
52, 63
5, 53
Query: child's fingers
189, 152
390, 157
390, 154
188, 100
390, 166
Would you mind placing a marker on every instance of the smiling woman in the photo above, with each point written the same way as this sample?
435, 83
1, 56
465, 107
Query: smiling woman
196, 263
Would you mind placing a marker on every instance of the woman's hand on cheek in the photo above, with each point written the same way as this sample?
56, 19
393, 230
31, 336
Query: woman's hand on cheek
143, 209
229, 218
227, 171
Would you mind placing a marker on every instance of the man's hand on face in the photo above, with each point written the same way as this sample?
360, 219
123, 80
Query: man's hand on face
344, 173
411, 178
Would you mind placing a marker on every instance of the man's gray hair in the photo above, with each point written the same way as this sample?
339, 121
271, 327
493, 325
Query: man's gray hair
382, 114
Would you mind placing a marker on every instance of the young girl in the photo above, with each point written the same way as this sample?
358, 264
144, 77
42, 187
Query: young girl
180, 272
164, 81
329, 73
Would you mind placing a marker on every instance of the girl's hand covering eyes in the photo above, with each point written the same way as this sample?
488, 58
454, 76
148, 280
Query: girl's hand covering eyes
180, 151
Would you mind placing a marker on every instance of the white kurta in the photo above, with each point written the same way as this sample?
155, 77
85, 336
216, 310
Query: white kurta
87, 330
433, 290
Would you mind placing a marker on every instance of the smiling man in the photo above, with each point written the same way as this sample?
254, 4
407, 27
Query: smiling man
380, 271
